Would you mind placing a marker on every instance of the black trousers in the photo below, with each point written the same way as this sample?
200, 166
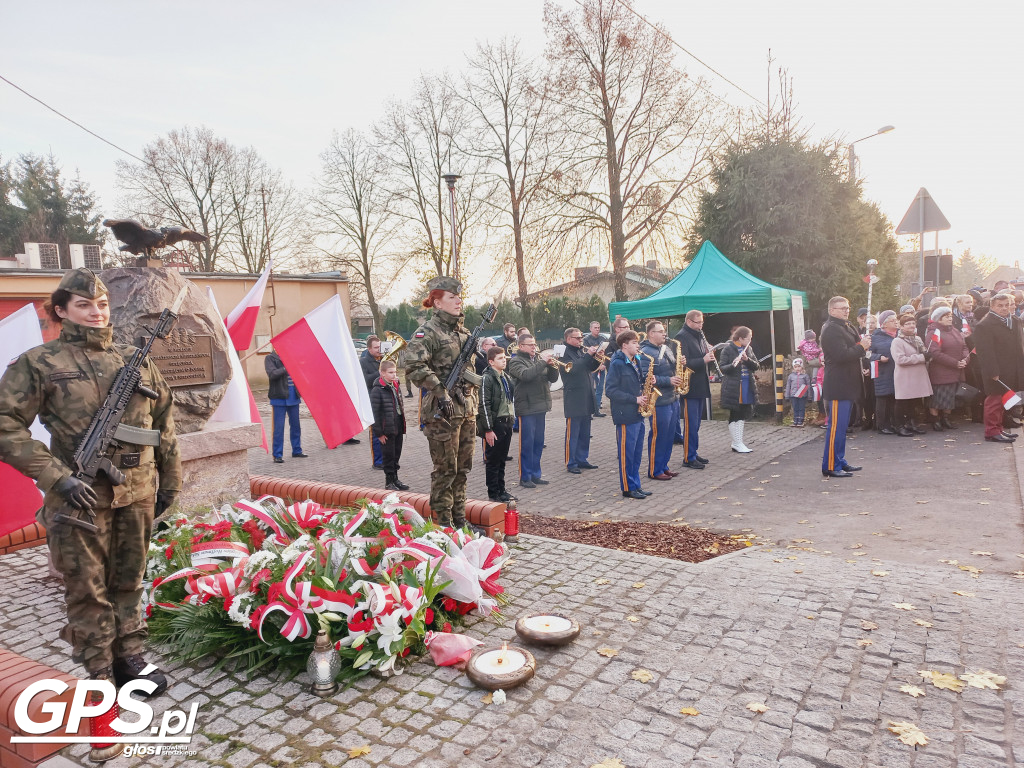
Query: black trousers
885, 408
392, 453
494, 456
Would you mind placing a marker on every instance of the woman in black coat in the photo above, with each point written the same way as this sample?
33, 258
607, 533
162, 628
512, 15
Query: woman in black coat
739, 390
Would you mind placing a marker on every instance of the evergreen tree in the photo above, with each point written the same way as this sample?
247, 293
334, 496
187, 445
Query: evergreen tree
786, 212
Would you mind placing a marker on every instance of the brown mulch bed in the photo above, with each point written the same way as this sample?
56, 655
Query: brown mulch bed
676, 542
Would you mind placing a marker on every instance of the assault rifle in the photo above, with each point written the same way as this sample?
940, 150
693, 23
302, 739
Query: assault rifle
104, 434
453, 384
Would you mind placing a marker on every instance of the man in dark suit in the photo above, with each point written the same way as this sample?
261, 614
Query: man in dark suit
999, 343
369, 363
843, 349
578, 400
694, 403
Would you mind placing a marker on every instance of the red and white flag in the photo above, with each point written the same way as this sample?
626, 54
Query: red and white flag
19, 332
238, 405
241, 321
874, 369
801, 391
935, 337
321, 359
1010, 399
816, 393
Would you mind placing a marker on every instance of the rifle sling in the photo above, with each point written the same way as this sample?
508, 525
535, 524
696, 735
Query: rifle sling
137, 435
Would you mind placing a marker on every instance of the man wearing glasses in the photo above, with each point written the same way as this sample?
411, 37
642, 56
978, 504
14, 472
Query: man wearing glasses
842, 349
578, 400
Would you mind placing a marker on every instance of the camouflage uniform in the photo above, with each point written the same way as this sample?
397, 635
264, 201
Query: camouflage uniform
64, 383
431, 354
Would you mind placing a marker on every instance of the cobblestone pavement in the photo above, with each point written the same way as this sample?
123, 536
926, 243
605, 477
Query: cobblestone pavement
765, 626
779, 625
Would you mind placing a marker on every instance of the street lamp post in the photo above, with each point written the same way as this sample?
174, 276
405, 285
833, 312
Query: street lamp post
450, 179
851, 156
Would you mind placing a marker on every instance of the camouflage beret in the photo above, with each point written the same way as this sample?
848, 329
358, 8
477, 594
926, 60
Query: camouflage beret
82, 282
445, 283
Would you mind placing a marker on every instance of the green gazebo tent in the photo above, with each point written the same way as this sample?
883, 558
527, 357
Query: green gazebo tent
713, 284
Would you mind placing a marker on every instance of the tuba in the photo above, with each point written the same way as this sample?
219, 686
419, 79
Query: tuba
651, 392
397, 345
681, 370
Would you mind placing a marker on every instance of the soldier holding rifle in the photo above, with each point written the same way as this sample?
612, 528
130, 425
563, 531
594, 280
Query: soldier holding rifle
98, 530
440, 361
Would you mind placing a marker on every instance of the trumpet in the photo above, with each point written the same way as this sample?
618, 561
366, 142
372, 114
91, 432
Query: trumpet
601, 357
550, 359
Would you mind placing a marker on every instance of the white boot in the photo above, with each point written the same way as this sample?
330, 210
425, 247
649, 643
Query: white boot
736, 430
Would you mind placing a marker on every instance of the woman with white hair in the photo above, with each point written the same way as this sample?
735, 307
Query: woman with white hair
911, 375
948, 356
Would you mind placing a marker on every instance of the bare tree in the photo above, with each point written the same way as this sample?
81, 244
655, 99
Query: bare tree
182, 181
352, 211
511, 102
264, 210
420, 139
645, 135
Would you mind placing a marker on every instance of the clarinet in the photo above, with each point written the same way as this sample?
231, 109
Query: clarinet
708, 348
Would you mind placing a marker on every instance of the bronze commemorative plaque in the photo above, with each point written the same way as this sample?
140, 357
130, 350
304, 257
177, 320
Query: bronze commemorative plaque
184, 358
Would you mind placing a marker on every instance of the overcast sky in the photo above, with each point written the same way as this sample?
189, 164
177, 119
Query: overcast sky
283, 77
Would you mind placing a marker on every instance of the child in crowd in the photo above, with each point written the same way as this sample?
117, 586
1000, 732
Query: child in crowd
798, 390
389, 422
814, 362
494, 422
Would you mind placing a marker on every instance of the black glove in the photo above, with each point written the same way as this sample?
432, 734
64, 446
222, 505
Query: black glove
164, 499
77, 493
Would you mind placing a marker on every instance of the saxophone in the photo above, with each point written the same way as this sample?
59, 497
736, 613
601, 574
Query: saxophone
681, 370
651, 392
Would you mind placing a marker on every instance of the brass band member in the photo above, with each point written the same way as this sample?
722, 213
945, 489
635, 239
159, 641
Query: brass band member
665, 418
578, 400
693, 403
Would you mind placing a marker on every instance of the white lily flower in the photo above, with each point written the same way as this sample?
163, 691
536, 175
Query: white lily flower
390, 631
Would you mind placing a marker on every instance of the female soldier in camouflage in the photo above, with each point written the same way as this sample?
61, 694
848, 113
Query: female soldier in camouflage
431, 354
64, 382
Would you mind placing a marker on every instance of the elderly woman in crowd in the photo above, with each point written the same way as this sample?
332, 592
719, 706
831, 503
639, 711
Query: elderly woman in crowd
881, 353
948, 356
963, 314
910, 378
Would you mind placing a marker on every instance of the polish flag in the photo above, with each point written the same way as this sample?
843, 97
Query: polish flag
874, 369
321, 359
19, 332
801, 391
935, 337
1010, 399
241, 321
238, 405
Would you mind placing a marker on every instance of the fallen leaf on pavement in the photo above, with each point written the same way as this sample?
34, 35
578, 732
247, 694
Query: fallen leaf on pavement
943, 680
802, 541
921, 502
963, 594
609, 652
1018, 574
864, 642
904, 606
983, 679
602, 581
908, 733
923, 623
489, 698
856, 546
974, 474
879, 573
357, 751
757, 706
633, 619
689, 711
639, 585
982, 554
970, 569
913, 690
642, 675
868, 625
609, 762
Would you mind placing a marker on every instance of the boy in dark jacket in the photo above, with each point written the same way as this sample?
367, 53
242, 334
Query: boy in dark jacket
624, 391
494, 422
389, 422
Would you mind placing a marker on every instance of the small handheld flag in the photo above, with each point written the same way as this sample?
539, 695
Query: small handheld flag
874, 369
1010, 399
801, 391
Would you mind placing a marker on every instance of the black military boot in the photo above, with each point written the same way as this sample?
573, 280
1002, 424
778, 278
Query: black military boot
131, 668
400, 485
391, 482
